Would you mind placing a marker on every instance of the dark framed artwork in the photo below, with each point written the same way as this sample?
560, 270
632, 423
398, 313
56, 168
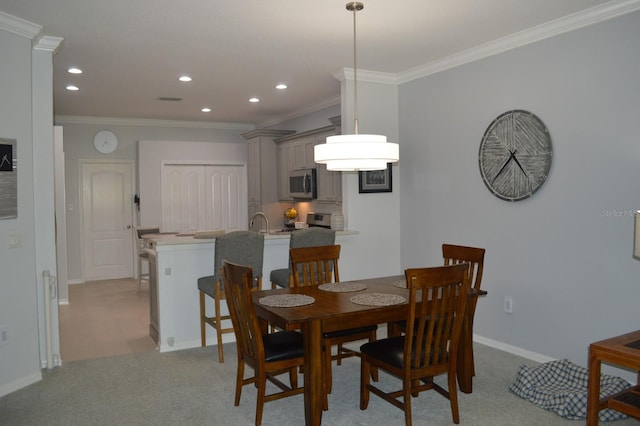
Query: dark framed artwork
8, 179
375, 181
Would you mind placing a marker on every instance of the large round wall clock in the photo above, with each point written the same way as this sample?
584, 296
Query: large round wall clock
515, 155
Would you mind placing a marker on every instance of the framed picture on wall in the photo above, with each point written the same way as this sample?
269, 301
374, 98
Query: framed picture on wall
8, 179
375, 181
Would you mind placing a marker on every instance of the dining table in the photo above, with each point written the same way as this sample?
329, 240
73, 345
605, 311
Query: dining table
316, 310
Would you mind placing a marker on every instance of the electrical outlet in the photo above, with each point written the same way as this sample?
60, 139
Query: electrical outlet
508, 304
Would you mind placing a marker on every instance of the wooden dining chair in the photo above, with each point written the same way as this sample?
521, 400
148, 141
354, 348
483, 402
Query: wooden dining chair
474, 257
428, 349
268, 355
310, 237
319, 265
243, 247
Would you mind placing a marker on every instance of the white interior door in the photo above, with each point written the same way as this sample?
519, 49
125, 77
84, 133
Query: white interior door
107, 215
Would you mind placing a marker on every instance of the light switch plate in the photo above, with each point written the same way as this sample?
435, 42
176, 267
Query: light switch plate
15, 240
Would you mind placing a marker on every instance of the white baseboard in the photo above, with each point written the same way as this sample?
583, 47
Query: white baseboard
72, 282
534, 356
19, 384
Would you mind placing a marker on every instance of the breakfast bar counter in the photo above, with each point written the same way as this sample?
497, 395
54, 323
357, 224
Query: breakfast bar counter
176, 262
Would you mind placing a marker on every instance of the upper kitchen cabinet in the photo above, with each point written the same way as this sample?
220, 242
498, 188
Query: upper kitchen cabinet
329, 183
284, 164
303, 153
295, 152
262, 177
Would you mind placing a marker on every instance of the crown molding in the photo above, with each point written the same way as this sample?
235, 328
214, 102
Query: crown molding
19, 26
302, 111
114, 121
366, 75
558, 26
48, 43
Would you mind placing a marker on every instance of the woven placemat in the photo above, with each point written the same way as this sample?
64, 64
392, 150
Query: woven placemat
286, 300
342, 287
400, 284
377, 299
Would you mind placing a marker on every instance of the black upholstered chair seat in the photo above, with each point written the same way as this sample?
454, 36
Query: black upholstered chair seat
389, 350
349, 331
282, 345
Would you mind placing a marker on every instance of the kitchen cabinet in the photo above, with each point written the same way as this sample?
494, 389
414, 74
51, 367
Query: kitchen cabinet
284, 162
303, 153
329, 183
262, 172
296, 151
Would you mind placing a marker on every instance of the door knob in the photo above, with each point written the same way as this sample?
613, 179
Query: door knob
128, 227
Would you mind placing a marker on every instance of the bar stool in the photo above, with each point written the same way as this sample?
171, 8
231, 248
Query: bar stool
141, 250
242, 247
311, 237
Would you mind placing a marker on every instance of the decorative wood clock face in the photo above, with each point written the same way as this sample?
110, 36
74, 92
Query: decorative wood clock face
105, 141
515, 155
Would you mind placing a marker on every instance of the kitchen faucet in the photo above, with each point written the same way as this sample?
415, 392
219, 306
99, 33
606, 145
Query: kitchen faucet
266, 219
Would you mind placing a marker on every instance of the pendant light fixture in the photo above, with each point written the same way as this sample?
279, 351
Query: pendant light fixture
356, 152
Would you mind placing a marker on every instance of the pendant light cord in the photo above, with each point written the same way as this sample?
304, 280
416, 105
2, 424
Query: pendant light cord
355, 71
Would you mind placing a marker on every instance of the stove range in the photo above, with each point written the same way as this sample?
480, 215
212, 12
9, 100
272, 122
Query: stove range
322, 220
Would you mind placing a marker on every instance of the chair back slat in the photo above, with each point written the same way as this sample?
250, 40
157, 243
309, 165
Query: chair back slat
315, 265
238, 281
437, 299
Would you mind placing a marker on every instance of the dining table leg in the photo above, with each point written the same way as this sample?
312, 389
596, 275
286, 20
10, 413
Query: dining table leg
313, 386
464, 367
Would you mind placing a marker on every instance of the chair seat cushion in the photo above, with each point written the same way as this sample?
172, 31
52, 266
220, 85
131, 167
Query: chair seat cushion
347, 332
280, 277
207, 284
390, 350
282, 345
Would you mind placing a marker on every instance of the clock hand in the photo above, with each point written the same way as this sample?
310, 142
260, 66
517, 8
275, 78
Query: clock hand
519, 165
504, 166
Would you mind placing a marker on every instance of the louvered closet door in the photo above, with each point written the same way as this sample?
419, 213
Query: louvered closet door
183, 198
201, 197
226, 197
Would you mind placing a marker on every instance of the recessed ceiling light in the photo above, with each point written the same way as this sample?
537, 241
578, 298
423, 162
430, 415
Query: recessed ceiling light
74, 70
281, 86
72, 87
254, 100
184, 78
206, 109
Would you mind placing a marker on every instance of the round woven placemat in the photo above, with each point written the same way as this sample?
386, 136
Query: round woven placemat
342, 287
286, 300
377, 299
400, 284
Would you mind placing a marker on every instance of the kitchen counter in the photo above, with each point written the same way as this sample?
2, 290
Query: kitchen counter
178, 261
155, 240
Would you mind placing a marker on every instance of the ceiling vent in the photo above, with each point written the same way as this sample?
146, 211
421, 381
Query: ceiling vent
169, 99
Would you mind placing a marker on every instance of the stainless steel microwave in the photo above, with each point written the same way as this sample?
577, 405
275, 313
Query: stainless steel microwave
302, 184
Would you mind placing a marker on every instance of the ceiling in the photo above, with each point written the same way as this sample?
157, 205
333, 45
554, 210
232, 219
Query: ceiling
132, 52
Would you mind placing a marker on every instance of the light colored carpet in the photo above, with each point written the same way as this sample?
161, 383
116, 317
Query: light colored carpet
190, 387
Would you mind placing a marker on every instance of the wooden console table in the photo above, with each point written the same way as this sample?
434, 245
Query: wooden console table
623, 351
